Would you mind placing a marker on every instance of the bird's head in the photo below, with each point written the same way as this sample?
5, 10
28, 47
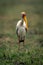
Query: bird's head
25, 19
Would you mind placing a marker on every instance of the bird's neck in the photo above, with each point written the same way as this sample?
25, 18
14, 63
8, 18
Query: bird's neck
21, 22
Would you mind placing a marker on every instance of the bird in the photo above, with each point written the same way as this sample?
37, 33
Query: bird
22, 28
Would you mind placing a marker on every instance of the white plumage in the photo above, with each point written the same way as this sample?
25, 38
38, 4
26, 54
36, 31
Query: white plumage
21, 28
19, 24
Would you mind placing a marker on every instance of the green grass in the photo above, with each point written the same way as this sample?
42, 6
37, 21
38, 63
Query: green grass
32, 52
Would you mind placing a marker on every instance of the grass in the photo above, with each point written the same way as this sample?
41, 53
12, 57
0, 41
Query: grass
32, 53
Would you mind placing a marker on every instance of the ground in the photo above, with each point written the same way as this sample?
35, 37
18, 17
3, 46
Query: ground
32, 52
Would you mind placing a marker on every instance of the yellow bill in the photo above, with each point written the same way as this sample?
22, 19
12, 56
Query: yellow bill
25, 19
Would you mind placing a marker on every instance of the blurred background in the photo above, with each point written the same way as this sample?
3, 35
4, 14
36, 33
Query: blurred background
10, 13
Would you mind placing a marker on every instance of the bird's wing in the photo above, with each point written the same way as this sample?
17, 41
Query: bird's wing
18, 24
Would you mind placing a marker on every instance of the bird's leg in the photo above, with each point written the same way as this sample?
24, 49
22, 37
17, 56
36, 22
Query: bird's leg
23, 43
18, 44
24, 46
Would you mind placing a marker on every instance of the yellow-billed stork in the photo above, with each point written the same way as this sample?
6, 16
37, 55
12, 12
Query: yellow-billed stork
21, 28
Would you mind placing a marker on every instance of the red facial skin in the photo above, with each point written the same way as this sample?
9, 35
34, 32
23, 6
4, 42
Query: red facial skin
23, 15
